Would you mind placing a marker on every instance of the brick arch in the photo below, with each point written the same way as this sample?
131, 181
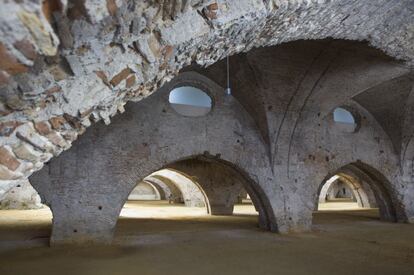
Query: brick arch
89, 184
192, 193
382, 189
360, 192
146, 191
83, 81
259, 198
222, 190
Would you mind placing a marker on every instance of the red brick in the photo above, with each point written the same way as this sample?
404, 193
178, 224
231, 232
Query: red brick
120, 76
42, 128
8, 160
10, 63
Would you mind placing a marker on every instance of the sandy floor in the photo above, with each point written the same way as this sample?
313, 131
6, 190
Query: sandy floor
338, 205
187, 241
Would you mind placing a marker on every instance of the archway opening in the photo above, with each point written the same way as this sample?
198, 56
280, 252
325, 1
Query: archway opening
165, 194
192, 194
343, 192
357, 190
24, 219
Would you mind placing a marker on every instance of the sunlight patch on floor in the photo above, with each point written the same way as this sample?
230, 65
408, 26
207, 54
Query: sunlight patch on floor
159, 209
338, 205
162, 209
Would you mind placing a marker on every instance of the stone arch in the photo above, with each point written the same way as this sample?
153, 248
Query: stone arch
168, 189
259, 198
150, 53
358, 172
362, 193
340, 190
281, 167
144, 191
192, 193
317, 151
160, 190
110, 160
223, 182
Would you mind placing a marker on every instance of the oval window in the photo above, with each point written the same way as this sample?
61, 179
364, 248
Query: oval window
344, 119
190, 101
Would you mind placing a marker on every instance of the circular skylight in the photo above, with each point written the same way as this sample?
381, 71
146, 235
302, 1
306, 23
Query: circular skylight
190, 101
345, 120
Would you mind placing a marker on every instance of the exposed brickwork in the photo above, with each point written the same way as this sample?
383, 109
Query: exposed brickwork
101, 54
43, 128
8, 160
9, 63
139, 49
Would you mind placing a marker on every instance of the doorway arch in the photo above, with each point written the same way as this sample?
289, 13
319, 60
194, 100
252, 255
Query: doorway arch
357, 172
258, 197
222, 182
361, 192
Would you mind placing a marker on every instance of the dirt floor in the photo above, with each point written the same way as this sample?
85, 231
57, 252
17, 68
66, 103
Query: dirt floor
155, 238
338, 204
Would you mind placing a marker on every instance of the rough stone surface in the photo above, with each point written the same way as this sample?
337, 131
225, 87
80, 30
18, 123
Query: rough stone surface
7, 159
101, 54
283, 170
115, 51
187, 138
21, 196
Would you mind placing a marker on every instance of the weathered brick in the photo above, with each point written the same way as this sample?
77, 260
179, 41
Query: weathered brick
111, 6
53, 90
26, 152
7, 128
211, 11
56, 139
8, 160
10, 63
6, 174
168, 52
42, 128
4, 77
57, 122
103, 77
26, 48
130, 81
73, 121
120, 76
49, 7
